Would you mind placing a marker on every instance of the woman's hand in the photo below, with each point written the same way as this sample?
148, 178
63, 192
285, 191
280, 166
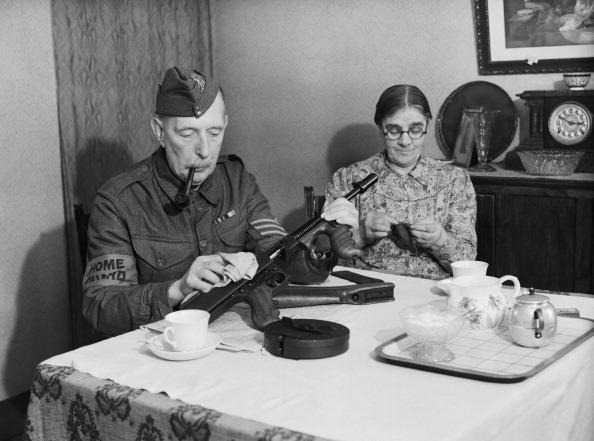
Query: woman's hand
428, 233
376, 226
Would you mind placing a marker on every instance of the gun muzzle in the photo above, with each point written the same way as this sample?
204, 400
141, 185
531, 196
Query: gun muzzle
182, 199
362, 186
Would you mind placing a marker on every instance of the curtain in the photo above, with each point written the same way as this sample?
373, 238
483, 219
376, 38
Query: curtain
110, 57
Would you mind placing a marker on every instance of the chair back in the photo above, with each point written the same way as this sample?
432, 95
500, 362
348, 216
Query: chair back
313, 203
82, 223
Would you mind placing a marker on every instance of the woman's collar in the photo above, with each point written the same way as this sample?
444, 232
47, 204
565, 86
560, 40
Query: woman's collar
421, 163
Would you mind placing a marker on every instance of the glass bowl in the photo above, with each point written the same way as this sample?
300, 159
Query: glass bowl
550, 162
432, 325
576, 81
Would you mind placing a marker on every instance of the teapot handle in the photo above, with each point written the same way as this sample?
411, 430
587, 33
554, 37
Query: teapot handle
517, 287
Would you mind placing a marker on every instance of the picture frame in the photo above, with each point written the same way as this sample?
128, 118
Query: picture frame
514, 39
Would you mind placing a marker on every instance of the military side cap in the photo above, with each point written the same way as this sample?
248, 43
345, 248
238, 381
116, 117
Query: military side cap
185, 93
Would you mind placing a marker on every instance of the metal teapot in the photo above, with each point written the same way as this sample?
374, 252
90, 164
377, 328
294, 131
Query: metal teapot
533, 321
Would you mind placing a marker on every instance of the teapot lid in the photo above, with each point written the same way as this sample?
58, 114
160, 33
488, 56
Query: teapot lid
532, 298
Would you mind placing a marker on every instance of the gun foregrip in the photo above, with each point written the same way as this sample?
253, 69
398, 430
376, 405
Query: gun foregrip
260, 297
262, 307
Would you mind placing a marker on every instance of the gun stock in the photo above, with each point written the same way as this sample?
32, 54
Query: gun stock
297, 296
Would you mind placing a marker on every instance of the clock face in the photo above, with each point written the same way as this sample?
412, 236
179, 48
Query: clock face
570, 123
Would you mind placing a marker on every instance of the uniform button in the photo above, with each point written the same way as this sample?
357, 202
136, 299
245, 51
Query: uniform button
203, 243
160, 262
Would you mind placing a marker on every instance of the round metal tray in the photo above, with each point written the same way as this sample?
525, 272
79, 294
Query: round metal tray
474, 95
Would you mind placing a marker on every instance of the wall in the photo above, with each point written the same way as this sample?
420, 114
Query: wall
301, 79
34, 311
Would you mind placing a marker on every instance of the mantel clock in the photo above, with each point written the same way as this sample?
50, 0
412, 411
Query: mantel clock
561, 119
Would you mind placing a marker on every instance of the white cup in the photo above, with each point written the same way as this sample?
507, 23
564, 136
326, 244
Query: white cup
469, 268
186, 330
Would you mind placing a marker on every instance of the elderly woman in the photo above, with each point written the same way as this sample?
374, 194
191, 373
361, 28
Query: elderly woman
420, 216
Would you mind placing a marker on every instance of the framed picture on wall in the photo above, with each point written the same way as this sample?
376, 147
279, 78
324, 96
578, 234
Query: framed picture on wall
529, 36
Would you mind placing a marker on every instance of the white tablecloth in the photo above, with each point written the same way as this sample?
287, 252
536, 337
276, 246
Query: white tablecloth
354, 396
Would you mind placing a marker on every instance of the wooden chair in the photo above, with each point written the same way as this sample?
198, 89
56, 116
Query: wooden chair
82, 223
313, 203
83, 333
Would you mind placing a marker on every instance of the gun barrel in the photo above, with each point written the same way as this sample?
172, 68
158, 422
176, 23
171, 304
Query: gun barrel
362, 186
359, 187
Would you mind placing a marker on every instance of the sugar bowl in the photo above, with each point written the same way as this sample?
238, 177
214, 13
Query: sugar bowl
533, 320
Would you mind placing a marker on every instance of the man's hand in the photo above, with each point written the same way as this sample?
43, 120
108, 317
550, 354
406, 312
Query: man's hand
342, 211
204, 273
428, 233
376, 226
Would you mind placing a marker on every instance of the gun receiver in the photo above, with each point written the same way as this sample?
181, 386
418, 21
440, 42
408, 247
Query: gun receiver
271, 277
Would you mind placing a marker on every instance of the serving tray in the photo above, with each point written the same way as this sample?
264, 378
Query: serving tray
492, 356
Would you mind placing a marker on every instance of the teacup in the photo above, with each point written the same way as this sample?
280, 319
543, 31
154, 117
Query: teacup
469, 268
186, 330
482, 300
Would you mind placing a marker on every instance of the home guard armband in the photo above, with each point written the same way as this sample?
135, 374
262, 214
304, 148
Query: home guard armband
111, 269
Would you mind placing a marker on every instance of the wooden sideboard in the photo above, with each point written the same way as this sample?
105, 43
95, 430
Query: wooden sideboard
537, 228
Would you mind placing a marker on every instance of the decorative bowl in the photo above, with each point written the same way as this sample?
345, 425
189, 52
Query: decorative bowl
550, 162
432, 325
576, 81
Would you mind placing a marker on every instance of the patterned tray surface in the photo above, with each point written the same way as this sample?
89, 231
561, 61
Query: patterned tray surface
492, 356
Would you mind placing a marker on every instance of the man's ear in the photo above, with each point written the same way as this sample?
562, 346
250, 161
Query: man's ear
157, 126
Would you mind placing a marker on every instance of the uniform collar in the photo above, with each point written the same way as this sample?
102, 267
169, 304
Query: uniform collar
171, 184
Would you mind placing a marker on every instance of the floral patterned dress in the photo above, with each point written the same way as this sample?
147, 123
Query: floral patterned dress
431, 190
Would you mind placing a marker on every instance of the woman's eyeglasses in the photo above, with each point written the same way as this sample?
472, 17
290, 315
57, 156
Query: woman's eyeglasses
394, 133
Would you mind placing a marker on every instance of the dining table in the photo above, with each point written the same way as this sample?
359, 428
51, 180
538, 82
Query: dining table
119, 389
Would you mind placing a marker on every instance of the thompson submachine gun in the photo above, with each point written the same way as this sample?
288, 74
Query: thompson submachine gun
321, 241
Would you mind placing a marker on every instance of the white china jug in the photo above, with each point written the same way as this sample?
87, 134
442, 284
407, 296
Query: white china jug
482, 299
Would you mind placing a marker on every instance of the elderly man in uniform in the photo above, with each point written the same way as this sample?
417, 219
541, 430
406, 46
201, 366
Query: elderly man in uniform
154, 234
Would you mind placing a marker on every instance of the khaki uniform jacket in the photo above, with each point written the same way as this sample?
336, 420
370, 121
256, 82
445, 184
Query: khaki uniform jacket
140, 242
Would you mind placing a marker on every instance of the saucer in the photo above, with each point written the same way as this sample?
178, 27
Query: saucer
162, 349
444, 284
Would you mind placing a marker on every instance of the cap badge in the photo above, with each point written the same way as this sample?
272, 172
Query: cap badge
198, 80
